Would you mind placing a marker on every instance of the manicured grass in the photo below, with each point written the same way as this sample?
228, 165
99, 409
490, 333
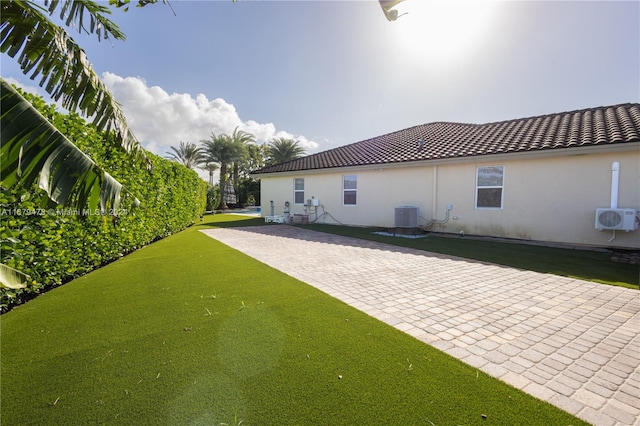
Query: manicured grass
582, 264
189, 331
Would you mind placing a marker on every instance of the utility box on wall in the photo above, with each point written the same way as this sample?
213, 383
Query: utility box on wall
406, 217
616, 219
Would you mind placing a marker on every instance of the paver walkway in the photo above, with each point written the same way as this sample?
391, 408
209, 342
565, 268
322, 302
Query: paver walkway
573, 343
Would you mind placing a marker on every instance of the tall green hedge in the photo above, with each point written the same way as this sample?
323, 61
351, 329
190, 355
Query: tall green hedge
54, 246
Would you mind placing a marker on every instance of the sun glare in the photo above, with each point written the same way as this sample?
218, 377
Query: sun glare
441, 30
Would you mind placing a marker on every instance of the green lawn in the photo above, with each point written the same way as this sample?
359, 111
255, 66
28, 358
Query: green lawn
188, 331
582, 264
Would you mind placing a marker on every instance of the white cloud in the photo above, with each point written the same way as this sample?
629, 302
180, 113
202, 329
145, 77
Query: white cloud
161, 120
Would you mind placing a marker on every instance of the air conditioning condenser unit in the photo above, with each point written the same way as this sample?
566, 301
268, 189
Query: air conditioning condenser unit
406, 217
617, 219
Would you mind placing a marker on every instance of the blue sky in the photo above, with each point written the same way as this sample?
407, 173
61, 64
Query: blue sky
331, 73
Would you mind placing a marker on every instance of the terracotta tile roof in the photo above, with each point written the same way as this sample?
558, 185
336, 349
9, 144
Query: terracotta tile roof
443, 140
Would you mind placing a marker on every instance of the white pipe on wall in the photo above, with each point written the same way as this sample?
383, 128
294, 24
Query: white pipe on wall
615, 180
434, 195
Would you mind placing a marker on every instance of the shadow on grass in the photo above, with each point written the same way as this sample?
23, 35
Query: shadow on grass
228, 221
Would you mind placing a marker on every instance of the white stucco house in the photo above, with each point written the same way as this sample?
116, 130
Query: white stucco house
570, 177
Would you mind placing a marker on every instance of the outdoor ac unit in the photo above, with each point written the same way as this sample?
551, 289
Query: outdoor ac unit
406, 217
618, 219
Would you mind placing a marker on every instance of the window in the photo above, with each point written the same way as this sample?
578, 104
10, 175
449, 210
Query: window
489, 187
298, 191
349, 189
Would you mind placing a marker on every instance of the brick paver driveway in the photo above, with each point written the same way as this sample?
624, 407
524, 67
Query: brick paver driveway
573, 343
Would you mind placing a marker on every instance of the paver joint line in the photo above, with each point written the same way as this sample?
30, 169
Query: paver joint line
572, 343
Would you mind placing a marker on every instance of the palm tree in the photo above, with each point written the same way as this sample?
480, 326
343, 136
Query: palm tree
283, 149
258, 154
244, 139
45, 49
33, 148
211, 168
224, 150
188, 154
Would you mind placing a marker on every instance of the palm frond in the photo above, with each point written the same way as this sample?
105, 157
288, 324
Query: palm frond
72, 12
141, 3
188, 154
33, 149
240, 136
45, 50
284, 149
11, 278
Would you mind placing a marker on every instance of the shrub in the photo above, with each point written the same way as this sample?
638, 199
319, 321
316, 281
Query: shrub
248, 191
213, 197
54, 246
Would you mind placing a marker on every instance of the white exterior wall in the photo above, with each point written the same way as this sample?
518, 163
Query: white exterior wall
378, 192
550, 199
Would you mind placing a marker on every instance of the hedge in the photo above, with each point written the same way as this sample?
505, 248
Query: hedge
54, 246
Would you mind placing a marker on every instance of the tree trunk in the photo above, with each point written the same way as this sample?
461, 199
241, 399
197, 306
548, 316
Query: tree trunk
235, 179
223, 182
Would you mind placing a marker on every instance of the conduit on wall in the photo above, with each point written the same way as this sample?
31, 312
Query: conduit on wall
434, 202
435, 191
615, 182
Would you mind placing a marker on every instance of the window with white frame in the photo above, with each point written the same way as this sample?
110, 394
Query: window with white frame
349, 189
489, 187
298, 191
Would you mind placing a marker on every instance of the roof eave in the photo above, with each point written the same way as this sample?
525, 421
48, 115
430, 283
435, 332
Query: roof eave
542, 153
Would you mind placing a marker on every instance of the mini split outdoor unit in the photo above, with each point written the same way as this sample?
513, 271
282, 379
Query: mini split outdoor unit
616, 219
406, 217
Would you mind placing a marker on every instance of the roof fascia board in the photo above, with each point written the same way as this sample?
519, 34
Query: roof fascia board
547, 153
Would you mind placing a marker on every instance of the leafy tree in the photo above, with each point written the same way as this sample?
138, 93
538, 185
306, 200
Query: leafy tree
258, 155
248, 187
241, 138
283, 149
249, 191
188, 154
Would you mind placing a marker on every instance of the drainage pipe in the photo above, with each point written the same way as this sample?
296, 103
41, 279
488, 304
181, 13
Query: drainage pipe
615, 183
615, 180
435, 191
